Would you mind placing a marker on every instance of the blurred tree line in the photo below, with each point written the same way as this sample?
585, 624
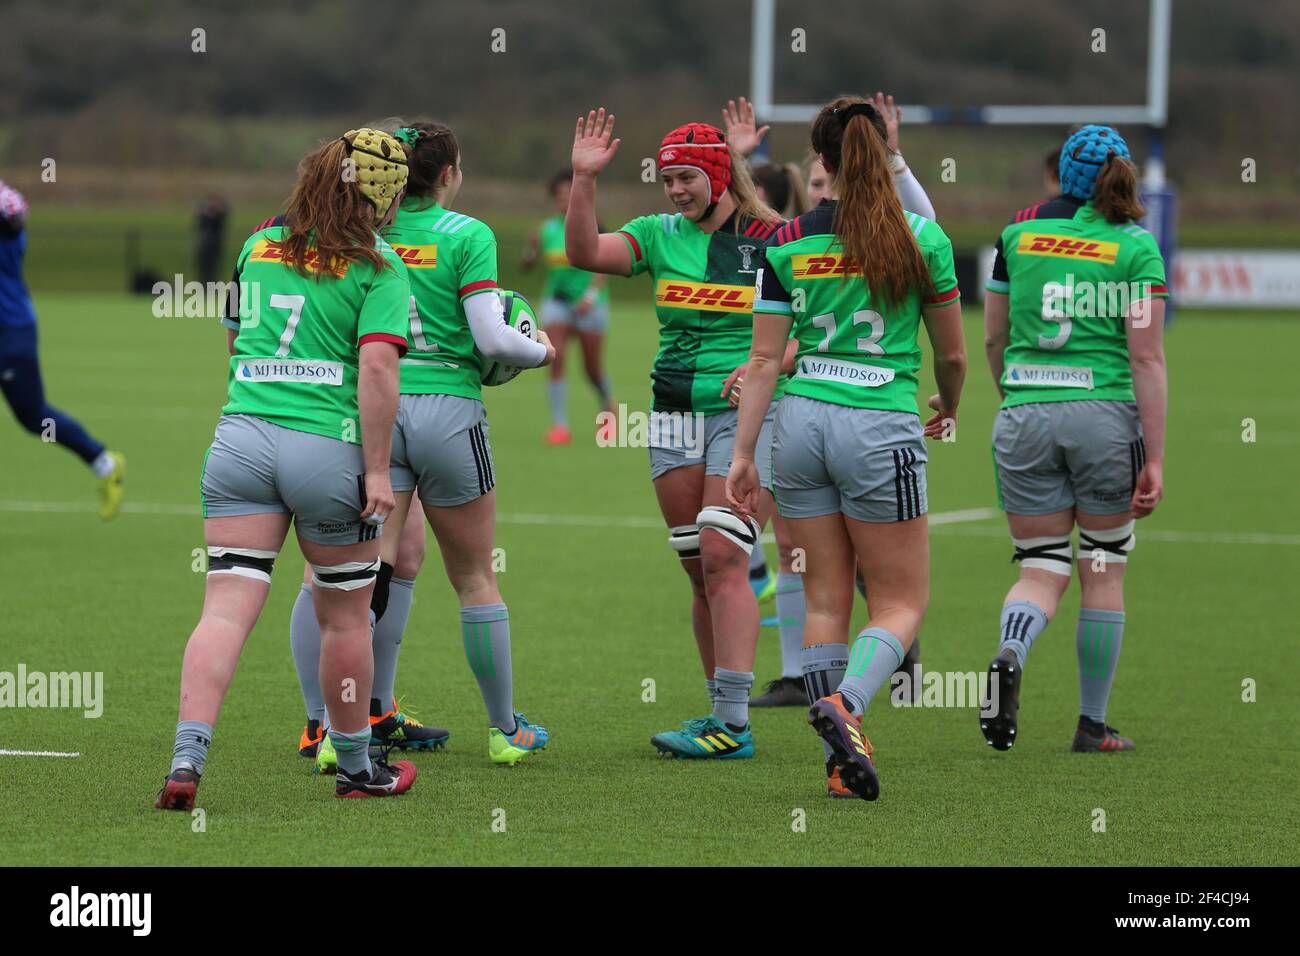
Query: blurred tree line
121, 85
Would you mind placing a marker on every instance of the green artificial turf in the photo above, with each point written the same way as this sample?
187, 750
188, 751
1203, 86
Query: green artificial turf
599, 606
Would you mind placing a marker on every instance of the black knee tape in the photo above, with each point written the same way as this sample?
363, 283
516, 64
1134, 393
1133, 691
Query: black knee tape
244, 562
379, 599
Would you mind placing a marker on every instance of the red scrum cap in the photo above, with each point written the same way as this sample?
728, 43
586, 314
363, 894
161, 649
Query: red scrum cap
701, 147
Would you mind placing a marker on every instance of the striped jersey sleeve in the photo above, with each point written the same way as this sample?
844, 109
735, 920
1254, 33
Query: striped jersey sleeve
639, 235
478, 265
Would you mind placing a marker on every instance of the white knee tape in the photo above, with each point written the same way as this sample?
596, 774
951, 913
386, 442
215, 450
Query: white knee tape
348, 576
685, 540
1113, 543
742, 532
1044, 554
245, 562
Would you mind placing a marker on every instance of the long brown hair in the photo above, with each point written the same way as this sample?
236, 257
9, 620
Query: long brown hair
869, 221
1115, 194
330, 222
745, 194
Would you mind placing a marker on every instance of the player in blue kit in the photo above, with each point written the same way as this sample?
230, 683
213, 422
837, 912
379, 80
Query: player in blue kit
20, 369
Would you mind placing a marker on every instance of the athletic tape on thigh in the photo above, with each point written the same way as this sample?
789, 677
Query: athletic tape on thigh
685, 540
1045, 554
1116, 543
348, 576
246, 562
742, 532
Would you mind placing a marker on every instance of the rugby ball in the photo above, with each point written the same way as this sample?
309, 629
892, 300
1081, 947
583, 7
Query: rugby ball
520, 316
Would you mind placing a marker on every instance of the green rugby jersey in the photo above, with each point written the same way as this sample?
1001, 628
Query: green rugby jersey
852, 351
449, 257
1070, 276
704, 298
563, 282
295, 361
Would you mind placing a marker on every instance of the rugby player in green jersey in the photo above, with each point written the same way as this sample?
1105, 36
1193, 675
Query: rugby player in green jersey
572, 301
1074, 319
781, 187
855, 277
305, 437
702, 260
455, 327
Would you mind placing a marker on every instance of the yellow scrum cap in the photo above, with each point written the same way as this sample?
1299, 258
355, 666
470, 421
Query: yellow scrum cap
380, 161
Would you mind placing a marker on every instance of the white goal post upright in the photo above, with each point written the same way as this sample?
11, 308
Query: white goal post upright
1152, 114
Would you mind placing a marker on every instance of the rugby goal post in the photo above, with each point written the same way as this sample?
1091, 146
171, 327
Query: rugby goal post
1152, 115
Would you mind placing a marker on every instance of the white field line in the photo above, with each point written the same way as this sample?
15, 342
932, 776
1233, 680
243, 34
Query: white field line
938, 519
36, 753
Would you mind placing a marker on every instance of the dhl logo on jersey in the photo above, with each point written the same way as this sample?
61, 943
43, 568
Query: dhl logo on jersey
557, 259
823, 265
418, 257
708, 296
272, 250
1067, 247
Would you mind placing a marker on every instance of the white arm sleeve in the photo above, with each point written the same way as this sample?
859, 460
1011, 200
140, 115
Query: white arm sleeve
913, 195
495, 339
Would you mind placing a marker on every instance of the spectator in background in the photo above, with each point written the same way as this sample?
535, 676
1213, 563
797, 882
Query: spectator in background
211, 225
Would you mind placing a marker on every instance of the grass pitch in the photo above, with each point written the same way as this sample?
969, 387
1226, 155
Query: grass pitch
598, 606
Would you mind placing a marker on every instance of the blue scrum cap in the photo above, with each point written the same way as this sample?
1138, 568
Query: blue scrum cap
1083, 155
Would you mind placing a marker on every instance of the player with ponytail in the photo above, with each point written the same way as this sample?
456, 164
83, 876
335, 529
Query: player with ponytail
855, 278
1074, 322
783, 188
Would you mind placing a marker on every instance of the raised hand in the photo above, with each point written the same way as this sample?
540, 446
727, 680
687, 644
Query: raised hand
742, 133
592, 147
892, 115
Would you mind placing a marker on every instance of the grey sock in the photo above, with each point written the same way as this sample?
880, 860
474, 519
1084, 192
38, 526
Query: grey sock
876, 654
732, 704
353, 750
823, 666
486, 632
304, 638
557, 393
603, 391
790, 615
193, 738
757, 562
1098, 640
387, 639
1022, 621
712, 687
